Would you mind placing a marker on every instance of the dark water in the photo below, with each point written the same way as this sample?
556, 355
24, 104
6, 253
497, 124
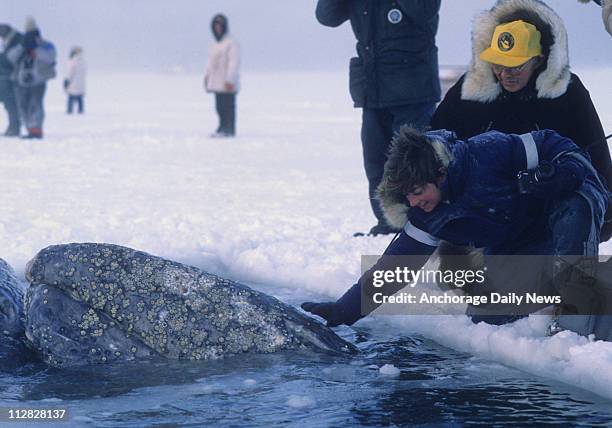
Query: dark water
436, 387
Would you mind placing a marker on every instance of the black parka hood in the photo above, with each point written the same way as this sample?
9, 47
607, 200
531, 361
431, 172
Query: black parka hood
221, 19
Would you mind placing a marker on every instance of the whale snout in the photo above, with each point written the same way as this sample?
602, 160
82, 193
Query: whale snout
11, 302
9, 314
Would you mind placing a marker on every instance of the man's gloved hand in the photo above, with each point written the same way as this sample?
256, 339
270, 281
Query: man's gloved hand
549, 181
330, 311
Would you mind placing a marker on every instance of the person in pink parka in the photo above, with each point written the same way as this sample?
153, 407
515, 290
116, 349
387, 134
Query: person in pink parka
74, 82
222, 75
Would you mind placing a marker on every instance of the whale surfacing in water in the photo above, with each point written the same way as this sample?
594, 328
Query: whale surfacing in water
13, 352
93, 303
11, 302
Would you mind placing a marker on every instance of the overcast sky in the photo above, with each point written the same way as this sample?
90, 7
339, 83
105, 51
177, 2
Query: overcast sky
160, 35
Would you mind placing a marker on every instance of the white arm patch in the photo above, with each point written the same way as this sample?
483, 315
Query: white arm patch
531, 150
421, 236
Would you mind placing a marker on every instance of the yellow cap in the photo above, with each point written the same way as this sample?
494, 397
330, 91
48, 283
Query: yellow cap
513, 44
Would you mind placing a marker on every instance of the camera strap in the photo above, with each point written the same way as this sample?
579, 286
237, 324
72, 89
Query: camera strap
531, 150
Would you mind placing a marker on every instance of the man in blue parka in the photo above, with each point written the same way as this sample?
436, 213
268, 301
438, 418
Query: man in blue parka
394, 78
535, 193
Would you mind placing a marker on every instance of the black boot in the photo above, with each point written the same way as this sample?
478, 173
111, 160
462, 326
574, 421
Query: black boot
11, 132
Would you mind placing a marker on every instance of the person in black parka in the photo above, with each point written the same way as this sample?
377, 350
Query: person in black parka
549, 96
394, 78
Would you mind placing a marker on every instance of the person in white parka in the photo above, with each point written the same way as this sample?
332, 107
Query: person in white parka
222, 75
74, 83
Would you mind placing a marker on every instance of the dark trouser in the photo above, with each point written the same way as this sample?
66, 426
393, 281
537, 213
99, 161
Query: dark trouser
570, 228
30, 102
78, 99
580, 224
377, 129
8, 98
576, 223
226, 109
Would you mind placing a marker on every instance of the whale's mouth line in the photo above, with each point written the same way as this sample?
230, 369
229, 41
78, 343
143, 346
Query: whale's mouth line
321, 341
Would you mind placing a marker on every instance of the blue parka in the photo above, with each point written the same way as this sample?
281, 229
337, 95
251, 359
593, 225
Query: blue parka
397, 61
482, 206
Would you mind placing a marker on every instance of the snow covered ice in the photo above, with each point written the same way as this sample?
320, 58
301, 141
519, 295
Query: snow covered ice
274, 208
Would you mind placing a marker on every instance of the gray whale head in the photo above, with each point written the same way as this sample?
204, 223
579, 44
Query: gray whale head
11, 302
94, 303
13, 350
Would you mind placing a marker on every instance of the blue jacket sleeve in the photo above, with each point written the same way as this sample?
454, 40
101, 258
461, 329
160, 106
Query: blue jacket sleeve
555, 148
570, 171
350, 303
550, 144
333, 13
549, 147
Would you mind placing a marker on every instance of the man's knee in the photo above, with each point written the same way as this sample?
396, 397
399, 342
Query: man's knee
572, 212
575, 226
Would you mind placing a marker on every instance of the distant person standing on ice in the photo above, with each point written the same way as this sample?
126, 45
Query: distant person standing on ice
222, 75
74, 83
12, 42
36, 65
394, 78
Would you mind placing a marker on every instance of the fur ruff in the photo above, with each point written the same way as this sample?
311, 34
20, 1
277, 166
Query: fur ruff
395, 211
480, 83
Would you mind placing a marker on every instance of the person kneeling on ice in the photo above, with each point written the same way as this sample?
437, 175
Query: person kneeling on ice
535, 193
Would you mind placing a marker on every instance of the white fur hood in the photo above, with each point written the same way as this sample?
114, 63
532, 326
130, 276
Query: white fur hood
480, 83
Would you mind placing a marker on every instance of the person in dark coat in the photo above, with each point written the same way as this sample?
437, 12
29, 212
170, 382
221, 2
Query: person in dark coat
12, 39
35, 66
394, 77
467, 193
537, 91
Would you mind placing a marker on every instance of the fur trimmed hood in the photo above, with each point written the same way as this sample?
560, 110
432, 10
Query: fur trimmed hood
480, 84
394, 204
